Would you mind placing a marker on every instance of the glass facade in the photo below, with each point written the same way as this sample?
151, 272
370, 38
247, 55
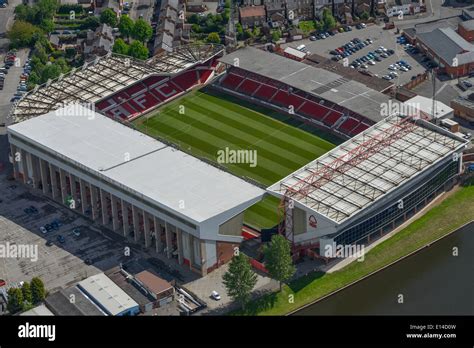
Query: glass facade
395, 210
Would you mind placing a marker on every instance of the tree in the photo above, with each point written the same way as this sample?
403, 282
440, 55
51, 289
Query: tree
15, 300
240, 279
138, 50
47, 25
120, 47
91, 22
22, 33
240, 31
328, 20
45, 9
26, 291
109, 17
126, 26
365, 15
276, 35
213, 38
38, 292
278, 259
318, 25
142, 30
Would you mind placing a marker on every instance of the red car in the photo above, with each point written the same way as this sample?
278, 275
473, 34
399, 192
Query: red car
2, 283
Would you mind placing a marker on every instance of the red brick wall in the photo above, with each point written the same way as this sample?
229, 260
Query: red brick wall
225, 251
466, 34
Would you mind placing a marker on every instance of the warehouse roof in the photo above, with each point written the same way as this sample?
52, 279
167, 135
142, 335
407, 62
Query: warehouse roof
448, 45
350, 94
152, 170
364, 169
107, 294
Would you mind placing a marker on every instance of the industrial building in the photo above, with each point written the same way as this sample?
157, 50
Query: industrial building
370, 184
108, 296
140, 188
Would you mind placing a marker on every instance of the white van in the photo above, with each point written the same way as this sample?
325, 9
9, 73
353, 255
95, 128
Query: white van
301, 48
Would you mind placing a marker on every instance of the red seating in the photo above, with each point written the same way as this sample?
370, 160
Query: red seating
359, 129
287, 99
136, 88
248, 87
204, 75
143, 101
314, 110
348, 125
265, 92
332, 117
232, 81
186, 80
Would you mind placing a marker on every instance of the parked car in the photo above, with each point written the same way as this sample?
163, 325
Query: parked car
49, 243
467, 84
387, 77
76, 232
313, 38
215, 295
43, 230
61, 239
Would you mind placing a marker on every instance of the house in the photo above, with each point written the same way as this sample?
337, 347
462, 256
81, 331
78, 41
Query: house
99, 42
252, 16
159, 289
276, 11
299, 10
453, 54
170, 28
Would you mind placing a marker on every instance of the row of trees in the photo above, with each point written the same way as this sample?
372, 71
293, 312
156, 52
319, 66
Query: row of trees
24, 298
40, 14
136, 34
240, 279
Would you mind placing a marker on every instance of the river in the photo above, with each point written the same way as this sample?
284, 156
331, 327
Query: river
432, 282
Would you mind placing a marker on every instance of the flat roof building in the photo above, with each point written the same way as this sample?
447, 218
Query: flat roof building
138, 186
108, 296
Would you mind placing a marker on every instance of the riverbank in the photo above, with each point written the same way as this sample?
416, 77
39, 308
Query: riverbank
455, 211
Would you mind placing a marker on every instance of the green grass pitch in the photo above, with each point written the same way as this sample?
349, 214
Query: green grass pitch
202, 124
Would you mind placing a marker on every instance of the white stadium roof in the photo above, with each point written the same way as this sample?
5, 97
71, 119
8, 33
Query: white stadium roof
108, 294
341, 192
104, 76
155, 171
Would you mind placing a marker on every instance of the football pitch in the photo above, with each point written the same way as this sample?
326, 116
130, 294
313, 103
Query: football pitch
207, 125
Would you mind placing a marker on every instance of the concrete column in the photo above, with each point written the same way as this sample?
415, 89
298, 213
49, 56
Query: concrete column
54, 182
191, 249
44, 177
16, 169
82, 189
168, 240
203, 258
72, 184
62, 182
35, 172
103, 207
126, 226
24, 165
136, 223
115, 218
179, 242
146, 228
94, 192
157, 228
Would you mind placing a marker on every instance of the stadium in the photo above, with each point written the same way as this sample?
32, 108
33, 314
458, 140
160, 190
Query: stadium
143, 161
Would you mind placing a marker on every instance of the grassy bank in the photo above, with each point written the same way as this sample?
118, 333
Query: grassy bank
452, 213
